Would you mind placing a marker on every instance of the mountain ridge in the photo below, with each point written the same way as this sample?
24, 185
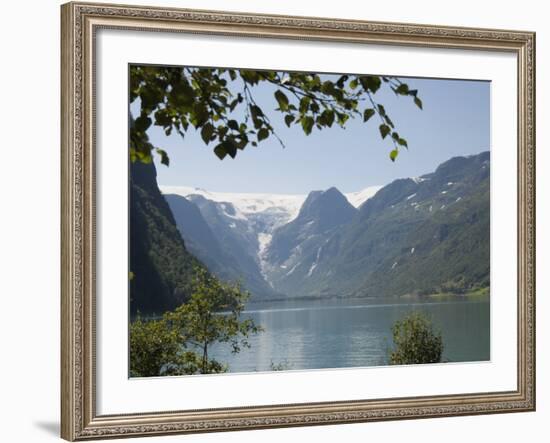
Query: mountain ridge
322, 245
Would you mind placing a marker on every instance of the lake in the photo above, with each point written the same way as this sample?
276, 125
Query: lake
337, 334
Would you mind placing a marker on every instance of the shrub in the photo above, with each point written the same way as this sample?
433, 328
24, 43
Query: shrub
415, 341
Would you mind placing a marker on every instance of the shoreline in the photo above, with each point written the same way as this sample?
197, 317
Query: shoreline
476, 294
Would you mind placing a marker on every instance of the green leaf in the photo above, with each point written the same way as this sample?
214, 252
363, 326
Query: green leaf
225, 148
240, 141
163, 156
393, 154
282, 99
326, 118
230, 148
369, 112
222, 131
220, 151
403, 142
327, 88
263, 134
370, 82
402, 89
307, 124
384, 130
341, 81
304, 104
342, 118
418, 102
141, 152
289, 118
249, 76
142, 123
256, 111
207, 131
233, 104
233, 124
200, 114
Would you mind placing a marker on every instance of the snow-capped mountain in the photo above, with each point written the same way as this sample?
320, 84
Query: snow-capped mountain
363, 243
297, 247
359, 197
414, 236
286, 206
244, 223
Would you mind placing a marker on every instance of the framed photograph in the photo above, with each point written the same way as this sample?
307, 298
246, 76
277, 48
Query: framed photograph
277, 221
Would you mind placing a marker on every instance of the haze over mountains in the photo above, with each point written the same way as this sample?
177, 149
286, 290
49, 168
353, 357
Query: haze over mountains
414, 236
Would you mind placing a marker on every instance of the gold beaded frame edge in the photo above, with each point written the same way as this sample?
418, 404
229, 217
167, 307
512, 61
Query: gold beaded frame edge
79, 22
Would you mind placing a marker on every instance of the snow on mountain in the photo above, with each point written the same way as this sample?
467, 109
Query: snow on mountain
360, 197
260, 213
246, 203
252, 203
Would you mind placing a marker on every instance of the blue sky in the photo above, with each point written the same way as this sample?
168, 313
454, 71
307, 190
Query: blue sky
455, 121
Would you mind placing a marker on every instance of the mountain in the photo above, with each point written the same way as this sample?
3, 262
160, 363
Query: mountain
273, 209
296, 247
161, 266
199, 238
447, 248
421, 235
320, 213
220, 237
424, 235
359, 197
239, 228
450, 252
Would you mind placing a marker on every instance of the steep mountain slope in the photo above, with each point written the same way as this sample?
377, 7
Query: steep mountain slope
269, 210
450, 252
273, 209
161, 266
359, 197
297, 247
429, 234
199, 238
238, 240
242, 226
414, 236
224, 248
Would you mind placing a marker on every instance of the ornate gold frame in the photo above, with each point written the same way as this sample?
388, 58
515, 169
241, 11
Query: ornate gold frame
80, 21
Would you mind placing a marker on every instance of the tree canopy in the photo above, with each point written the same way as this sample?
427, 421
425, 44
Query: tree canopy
156, 349
220, 103
179, 342
415, 341
213, 315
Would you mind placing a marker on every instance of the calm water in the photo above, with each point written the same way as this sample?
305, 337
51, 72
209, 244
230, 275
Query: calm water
337, 334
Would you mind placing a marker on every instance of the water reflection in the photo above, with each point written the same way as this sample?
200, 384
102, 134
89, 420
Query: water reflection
337, 334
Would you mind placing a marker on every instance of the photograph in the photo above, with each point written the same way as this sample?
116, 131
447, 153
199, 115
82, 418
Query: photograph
271, 219
287, 221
